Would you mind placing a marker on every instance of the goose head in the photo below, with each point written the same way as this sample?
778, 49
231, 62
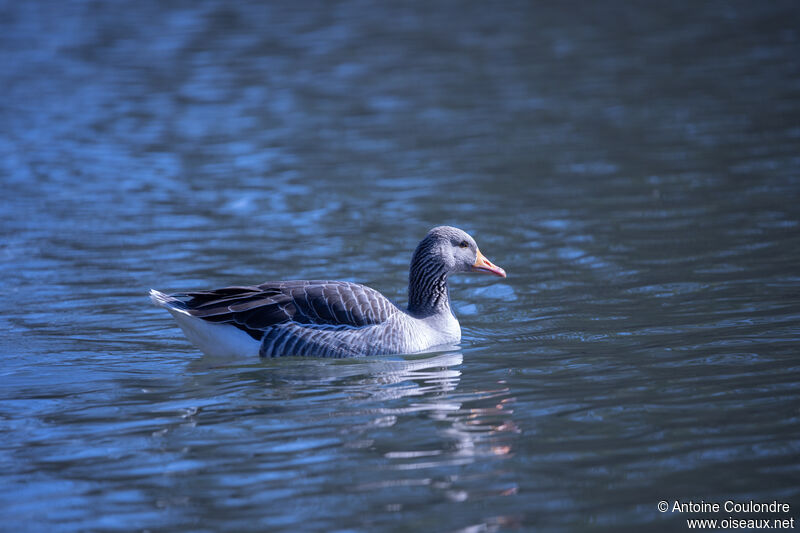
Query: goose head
454, 250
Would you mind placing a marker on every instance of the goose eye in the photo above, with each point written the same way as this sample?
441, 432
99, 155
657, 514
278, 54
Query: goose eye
464, 244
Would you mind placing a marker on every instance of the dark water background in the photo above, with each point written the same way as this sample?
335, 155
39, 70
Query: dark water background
632, 165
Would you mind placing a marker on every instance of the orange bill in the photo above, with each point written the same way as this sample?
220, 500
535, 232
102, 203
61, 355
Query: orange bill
482, 264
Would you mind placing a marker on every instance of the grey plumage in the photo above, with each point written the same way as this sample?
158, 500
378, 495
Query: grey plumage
339, 318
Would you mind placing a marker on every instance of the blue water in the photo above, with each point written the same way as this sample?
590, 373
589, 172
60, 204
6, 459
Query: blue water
632, 166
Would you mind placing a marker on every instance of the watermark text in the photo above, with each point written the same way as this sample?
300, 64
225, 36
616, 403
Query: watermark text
732, 507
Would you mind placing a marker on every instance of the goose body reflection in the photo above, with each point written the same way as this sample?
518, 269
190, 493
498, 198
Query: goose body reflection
371, 396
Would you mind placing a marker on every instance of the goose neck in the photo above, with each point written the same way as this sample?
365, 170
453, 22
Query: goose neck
427, 291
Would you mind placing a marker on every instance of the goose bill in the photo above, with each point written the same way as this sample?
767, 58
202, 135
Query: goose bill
482, 264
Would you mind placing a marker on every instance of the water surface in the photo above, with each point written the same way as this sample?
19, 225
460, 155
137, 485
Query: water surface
633, 167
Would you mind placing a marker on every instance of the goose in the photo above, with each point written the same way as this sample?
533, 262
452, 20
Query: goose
333, 318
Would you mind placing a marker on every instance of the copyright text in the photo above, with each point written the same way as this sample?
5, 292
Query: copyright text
734, 507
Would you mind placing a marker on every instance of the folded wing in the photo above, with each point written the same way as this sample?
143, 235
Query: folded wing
254, 309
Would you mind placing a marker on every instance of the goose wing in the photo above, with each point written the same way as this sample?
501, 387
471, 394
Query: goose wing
256, 308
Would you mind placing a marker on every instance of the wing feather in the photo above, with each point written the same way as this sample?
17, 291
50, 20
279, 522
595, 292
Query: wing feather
315, 303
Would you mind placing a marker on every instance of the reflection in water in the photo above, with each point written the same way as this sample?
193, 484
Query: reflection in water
471, 422
407, 413
405, 417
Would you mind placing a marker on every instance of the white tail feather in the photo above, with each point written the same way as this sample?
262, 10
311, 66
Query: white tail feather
217, 340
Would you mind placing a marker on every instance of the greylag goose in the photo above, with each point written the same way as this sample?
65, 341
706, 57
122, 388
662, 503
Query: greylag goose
333, 318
